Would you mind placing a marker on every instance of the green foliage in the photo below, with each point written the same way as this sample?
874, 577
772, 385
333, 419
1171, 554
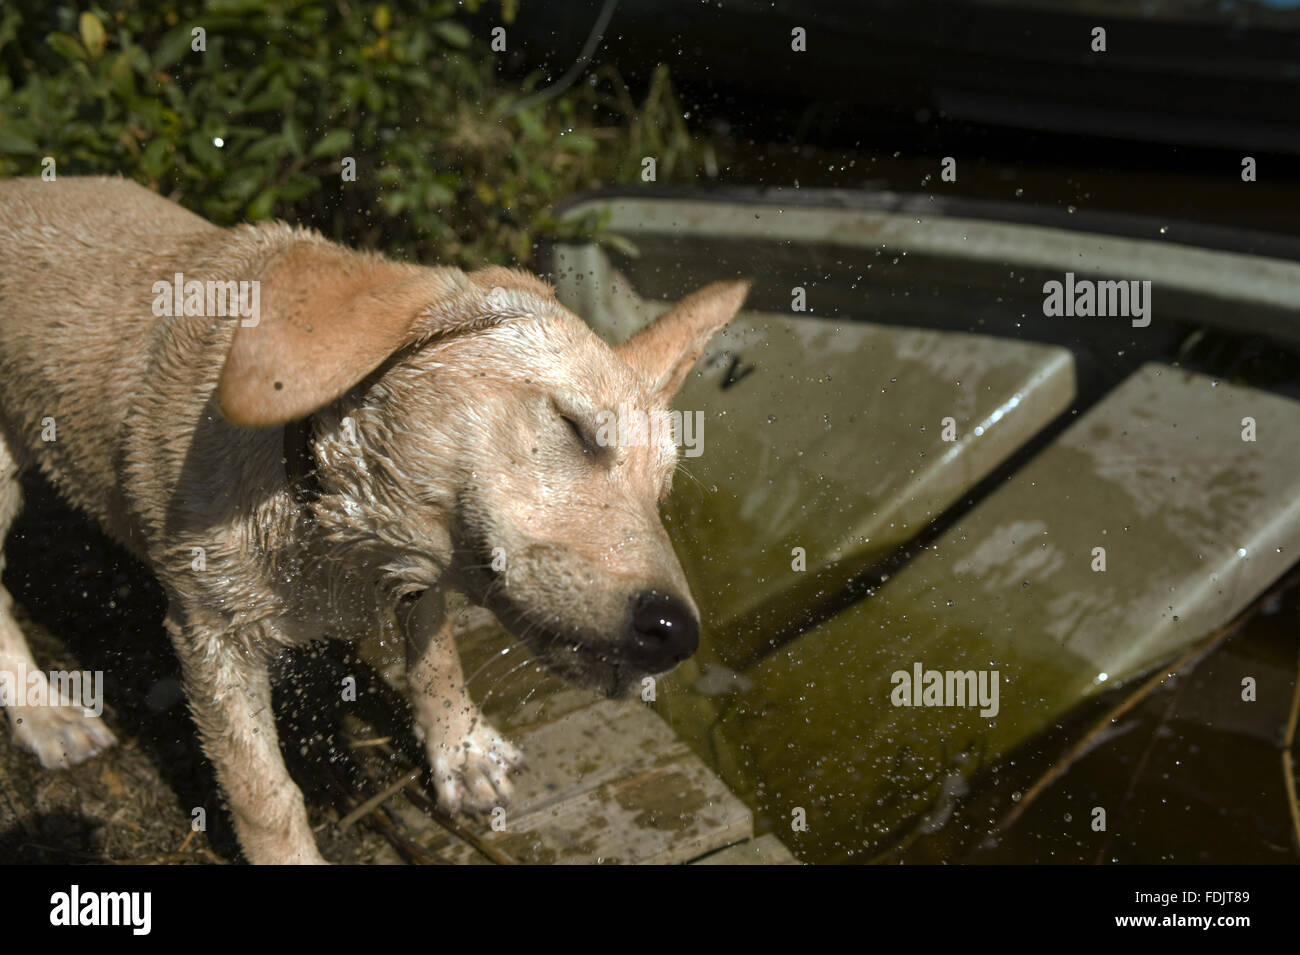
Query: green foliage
257, 125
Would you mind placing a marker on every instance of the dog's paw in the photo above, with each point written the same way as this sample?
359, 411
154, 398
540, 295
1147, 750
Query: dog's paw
474, 775
60, 736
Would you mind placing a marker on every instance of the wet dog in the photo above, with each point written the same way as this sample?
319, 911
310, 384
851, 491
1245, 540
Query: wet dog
301, 440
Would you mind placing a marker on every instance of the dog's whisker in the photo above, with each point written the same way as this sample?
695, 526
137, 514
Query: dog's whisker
687, 471
504, 677
492, 587
491, 660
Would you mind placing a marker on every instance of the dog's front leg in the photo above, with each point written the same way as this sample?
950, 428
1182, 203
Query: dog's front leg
229, 692
471, 761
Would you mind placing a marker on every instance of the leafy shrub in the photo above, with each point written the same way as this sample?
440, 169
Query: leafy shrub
258, 124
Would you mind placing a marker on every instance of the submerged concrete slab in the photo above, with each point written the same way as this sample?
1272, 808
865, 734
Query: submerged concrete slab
825, 446
1195, 522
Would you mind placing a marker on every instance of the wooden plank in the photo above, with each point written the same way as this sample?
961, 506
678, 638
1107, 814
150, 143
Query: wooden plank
1195, 522
607, 781
765, 850
610, 783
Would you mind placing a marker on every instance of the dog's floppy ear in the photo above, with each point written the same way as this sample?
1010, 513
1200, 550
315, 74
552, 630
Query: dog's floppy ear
665, 351
328, 317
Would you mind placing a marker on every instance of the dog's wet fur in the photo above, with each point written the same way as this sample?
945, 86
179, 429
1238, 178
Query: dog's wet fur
451, 431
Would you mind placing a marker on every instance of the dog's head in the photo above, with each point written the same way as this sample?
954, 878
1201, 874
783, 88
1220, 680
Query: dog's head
470, 431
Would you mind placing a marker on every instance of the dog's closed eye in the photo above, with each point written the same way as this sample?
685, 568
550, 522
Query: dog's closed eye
582, 434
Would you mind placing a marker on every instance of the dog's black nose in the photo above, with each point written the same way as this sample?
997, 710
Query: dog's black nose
665, 631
